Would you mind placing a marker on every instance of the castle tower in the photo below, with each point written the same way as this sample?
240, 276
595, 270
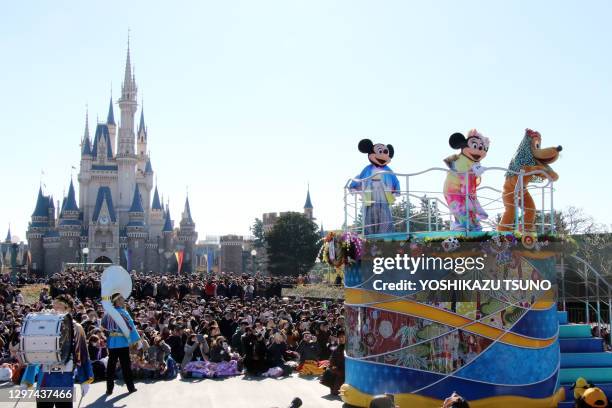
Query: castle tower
156, 217
84, 176
38, 227
187, 237
141, 145
231, 253
51, 212
69, 229
8, 238
167, 242
112, 126
144, 176
136, 234
126, 157
308, 209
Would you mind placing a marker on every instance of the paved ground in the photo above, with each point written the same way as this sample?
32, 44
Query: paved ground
235, 392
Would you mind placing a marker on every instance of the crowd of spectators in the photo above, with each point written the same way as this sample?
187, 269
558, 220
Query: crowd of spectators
199, 326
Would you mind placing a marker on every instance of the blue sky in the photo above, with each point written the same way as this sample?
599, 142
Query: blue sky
248, 101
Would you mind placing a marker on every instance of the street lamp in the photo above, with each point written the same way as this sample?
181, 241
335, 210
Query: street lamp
85, 253
253, 254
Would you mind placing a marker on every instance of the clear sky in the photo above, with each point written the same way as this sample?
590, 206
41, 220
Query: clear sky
248, 101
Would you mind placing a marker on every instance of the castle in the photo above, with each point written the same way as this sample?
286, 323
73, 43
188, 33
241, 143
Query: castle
117, 219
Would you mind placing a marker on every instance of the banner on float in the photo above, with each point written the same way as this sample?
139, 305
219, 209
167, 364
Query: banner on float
179, 259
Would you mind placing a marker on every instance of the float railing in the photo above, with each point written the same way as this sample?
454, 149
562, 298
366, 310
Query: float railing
435, 214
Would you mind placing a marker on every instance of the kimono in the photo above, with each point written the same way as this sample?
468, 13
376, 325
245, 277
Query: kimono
455, 194
78, 370
379, 194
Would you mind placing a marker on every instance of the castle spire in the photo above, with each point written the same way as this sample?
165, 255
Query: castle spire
156, 203
86, 132
136, 202
308, 203
70, 204
167, 222
187, 212
141, 126
110, 119
85, 143
308, 209
8, 234
42, 205
128, 90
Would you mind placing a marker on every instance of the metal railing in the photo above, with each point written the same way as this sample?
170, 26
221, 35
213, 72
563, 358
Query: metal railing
585, 294
435, 214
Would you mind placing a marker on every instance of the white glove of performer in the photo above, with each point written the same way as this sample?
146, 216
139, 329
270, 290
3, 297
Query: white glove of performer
139, 345
478, 169
84, 389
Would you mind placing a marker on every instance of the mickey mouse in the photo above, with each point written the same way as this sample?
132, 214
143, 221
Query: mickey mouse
379, 185
474, 148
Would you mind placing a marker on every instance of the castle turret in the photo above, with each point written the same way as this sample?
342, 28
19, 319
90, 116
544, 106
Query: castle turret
187, 237
84, 176
112, 126
136, 234
142, 142
8, 236
69, 229
308, 208
38, 227
156, 217
167, 241
51, 212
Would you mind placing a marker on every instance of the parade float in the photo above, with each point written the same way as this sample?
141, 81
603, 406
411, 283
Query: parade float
496, 348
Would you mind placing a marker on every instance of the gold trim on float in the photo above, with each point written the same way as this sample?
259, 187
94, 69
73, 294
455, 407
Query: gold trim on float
353, 396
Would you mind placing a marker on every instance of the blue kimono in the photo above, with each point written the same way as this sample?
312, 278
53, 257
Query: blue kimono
116, 339
379, 194
77, 371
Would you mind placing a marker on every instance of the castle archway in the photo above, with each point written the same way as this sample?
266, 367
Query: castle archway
103, 259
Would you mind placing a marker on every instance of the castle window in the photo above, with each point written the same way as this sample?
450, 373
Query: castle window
135, 244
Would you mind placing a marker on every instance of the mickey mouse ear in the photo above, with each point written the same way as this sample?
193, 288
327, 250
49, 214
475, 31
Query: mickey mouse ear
457, 141
365, 146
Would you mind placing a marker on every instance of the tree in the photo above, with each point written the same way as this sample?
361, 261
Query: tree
292, 245
258, 232
425, 218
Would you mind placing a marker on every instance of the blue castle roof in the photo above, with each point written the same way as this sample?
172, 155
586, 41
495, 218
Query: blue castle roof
86, 147
156, 203
141, 125
187, 212
70, 204
167, 222
308, 203
148, 167
136, 202
42, 205
110, 120
102, 133
104, 196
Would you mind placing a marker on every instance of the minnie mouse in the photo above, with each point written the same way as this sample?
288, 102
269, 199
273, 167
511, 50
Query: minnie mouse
379, 185
474, 148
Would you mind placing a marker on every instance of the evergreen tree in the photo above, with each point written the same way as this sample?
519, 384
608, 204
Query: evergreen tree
292, 245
